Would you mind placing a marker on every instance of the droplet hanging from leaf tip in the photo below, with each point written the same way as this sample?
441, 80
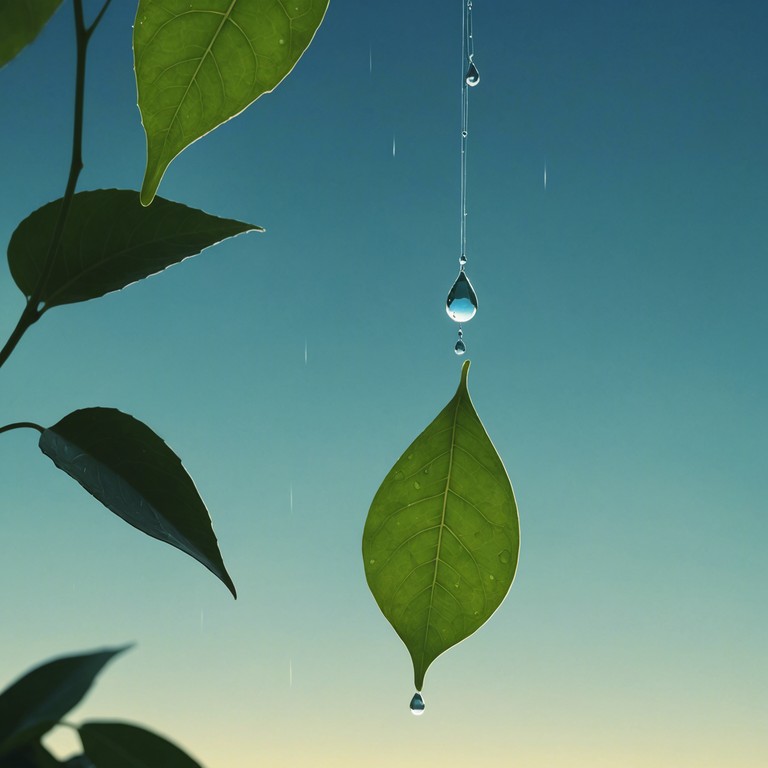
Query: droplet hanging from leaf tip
417, 704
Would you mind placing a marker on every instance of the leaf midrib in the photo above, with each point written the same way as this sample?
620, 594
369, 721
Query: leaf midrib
193, 79
459, 395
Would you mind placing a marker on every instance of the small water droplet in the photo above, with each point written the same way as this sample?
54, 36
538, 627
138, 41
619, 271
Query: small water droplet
399, 475
282, 42
417, 704
464, 134
417, 485
372, 562
460, 347
426, 469
505, 556
461, 303
463, 259
491, 577
473, 76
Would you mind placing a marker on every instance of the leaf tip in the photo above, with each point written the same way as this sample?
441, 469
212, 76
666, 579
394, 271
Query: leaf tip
464, 373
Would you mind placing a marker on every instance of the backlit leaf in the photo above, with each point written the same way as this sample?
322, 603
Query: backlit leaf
38, 700
200, 62
20, 23
120, 745
132, 472
441, 541
109, 242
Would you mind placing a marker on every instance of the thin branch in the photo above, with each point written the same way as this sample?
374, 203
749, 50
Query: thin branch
32, 311
22, 425
96, 21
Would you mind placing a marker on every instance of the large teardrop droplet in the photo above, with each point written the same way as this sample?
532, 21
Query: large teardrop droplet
473, 75
461, 303
417, 704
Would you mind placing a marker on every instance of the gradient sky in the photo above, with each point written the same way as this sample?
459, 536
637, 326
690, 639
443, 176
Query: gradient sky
619, 365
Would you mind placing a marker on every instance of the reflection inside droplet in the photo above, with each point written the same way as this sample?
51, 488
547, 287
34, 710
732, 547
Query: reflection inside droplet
473, 76
417, 704
461, 303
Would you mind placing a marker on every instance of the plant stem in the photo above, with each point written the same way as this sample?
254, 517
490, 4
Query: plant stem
32, 312
22, 425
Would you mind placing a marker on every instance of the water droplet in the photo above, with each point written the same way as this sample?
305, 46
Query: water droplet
463, 259
491, 577
464, 134
399, 475
417, 485
472, 76
461, 303
371, 562
417, 704
460, 347
505, 556
282, 42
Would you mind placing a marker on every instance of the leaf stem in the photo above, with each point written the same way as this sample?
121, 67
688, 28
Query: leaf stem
22, 425
32, 312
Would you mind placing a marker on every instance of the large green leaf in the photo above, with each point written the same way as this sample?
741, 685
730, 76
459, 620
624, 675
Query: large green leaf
38, 700
120, 745
442, 537
200, 62
132, 472
110, 241
20, 23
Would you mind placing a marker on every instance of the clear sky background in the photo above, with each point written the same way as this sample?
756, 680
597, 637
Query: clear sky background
619, 365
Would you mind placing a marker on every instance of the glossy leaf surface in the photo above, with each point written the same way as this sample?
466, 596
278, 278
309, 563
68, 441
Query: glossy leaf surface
132, 472
38, 700
120, 745
200, 62
441, 541
110, 241
20, 23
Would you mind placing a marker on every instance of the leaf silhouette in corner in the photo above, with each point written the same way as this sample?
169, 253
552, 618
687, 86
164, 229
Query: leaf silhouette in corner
32, 705
123, 745
133, 473
441, 541
20, 23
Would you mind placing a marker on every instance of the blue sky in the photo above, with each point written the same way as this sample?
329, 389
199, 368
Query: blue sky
618, 363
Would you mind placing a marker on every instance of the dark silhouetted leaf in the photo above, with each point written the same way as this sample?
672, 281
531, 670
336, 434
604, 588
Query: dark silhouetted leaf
37, 701
110, 241
20, 23
200, 62
130, 470
442, 537
120, 745
30, 756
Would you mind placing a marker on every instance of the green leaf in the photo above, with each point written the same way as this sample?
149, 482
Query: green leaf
37, 701
120, 745
20, 23
110, 241
200, 62
133, 473
441, 541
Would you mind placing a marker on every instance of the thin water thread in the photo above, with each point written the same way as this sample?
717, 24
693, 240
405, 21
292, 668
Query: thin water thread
461, 304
